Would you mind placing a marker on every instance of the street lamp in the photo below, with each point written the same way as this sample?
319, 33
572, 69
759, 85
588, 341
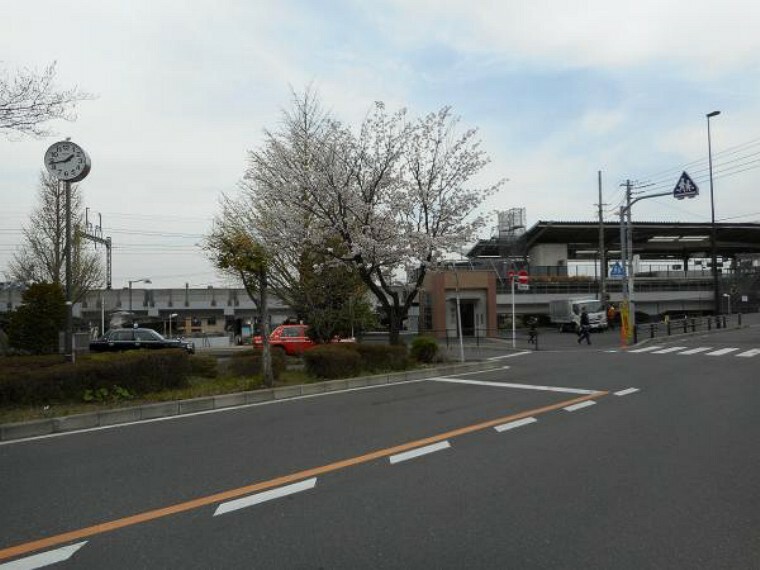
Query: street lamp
728, 299
130, 289
172, 316
713, 230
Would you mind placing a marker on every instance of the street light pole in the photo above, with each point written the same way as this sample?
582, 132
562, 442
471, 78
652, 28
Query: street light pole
130, 289
713, 229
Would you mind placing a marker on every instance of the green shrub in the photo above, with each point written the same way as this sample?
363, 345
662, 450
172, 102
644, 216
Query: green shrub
12, 364
424, 349
204, 366
33, 326
382, 357
249, 363
135, 372
330, 361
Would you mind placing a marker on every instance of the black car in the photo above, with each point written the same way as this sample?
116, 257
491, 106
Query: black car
131, 339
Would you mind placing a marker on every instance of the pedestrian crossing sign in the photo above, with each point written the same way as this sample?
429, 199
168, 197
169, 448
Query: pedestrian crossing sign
685, 187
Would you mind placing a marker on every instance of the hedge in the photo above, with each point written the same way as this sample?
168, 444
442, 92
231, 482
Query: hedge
249, 363
382, 357
350, 359
138, 372
329, 361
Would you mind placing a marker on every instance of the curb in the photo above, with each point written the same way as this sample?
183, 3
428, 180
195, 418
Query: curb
36, 428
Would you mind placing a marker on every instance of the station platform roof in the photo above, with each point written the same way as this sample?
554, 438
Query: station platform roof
651, 240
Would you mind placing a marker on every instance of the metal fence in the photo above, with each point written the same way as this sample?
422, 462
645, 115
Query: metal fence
688, 325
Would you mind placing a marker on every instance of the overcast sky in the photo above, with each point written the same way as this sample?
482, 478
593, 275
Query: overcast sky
559, 89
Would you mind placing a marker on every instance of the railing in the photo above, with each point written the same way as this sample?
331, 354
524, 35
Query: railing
688, 325
592, 287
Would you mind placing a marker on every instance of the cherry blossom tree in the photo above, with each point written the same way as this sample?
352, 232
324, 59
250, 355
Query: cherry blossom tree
391, 198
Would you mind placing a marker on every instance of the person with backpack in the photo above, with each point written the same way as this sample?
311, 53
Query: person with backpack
585, 329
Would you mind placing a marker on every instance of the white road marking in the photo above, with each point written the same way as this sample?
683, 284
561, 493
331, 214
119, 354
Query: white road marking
515, 424
517, 386
696, 350
626, 391
582, 405
258, 498
669, 349
509, 355
646, 349
43, 559
750, 353
721, 352
399, 457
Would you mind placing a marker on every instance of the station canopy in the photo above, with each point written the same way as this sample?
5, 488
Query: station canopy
651, 240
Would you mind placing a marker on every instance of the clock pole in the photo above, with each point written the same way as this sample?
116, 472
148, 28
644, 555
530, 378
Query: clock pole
68, 162
69, 336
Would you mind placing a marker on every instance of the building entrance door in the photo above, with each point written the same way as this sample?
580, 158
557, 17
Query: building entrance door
468, 317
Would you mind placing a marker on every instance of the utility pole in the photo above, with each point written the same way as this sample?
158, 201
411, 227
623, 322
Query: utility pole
602, 252
628, 312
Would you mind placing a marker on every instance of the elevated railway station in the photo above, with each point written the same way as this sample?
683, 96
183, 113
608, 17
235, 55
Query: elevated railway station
672, 273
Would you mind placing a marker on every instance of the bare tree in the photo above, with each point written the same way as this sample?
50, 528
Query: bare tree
29, 99
41, 256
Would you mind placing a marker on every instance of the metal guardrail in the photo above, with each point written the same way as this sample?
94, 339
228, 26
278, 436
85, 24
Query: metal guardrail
681, 326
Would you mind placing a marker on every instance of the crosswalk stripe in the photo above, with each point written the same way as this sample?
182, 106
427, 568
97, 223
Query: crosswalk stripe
645, 349
670, 349
750, 353
697, 350
722, 351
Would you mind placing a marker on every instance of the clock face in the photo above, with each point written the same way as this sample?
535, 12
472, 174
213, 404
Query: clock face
67, 161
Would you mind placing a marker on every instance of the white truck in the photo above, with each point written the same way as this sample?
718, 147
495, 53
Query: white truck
566, 313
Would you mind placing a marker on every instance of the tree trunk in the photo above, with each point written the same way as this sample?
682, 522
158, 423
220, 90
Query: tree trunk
394, 325
266, 355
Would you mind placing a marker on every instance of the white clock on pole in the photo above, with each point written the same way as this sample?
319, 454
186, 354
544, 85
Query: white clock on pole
67, 161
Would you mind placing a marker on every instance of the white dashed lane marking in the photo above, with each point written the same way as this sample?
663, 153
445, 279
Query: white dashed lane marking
43, 559
627, 391
258, 498
580, 406
645, 349
398, 458
515, 424
750, 353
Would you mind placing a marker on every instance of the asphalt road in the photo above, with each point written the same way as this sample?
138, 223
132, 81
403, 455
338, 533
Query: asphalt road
572, 457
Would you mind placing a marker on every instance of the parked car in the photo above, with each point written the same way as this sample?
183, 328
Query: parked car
293, 339
132, 339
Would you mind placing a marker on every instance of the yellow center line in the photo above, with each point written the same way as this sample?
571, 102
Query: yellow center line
35, 545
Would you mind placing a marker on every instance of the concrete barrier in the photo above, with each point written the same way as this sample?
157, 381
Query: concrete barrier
24, 430
122, 416
162, 410
230, 400
196, 405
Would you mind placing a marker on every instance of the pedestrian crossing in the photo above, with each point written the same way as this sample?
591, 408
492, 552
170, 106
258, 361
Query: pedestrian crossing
701, 350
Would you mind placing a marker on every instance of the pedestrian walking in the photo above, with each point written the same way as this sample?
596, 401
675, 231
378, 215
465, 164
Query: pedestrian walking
584, 332
532, 331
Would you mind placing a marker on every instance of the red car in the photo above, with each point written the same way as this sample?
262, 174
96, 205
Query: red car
290, 338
